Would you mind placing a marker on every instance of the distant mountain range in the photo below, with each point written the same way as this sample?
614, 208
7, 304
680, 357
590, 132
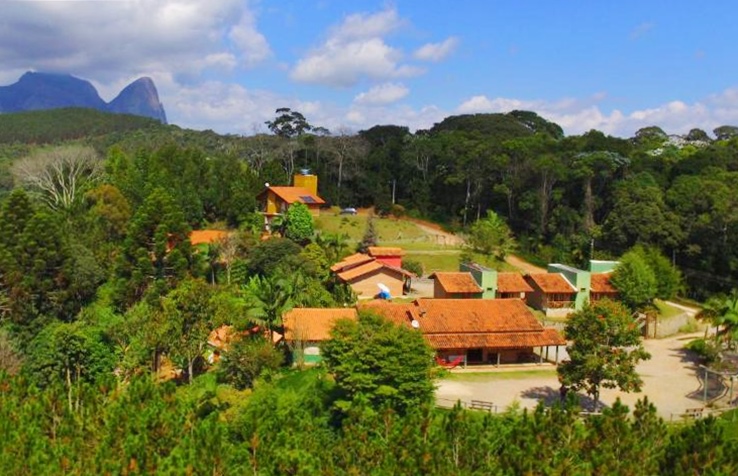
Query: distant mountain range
39, 91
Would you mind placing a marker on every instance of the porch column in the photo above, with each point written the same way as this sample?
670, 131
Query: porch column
498, 358
540, 357
547, 347
557, 355
464, 359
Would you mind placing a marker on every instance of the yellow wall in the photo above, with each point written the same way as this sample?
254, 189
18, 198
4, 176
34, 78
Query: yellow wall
271, 203
365, 286
309, 182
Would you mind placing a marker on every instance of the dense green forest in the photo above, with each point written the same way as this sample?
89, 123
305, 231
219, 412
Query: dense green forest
565, 197
102, 294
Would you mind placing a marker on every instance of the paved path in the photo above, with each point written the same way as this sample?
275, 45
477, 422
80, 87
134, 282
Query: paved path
670, 382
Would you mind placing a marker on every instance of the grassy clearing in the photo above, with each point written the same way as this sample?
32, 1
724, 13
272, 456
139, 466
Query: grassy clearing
666, 311
488, 376
445, 261
388, 229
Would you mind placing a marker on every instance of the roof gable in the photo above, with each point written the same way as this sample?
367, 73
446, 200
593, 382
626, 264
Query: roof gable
384, 251
600, 283
359, 264
512, 283
551, 283
456, 282
353, 260
295, 194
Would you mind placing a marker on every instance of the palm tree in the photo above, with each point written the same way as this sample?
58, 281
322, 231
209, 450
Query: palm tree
334, 245
269, 299
722, 311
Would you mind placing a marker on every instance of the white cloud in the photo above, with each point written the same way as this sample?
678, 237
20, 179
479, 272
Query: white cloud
355, 50
230, 108
252, 44
364, 26
436, 51
382, 94
106, 40
578, 116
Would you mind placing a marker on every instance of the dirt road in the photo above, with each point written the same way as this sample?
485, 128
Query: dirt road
523, 265
439, 236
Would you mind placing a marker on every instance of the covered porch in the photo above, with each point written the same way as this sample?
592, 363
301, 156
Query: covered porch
502, 349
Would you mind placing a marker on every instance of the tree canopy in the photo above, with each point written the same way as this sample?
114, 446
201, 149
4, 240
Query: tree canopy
379, 362
605, 351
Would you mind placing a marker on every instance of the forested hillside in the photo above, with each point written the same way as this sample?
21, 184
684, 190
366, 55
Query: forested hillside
565, 197
103, 295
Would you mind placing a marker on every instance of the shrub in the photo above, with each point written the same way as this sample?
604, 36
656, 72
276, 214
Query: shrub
397, 210
415, 267
706, 350
246, 360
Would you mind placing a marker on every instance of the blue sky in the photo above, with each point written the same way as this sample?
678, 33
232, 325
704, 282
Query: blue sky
227, 65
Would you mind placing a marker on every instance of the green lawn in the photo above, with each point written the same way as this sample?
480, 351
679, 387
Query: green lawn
666, 311
432, 262
487, 376
388, 229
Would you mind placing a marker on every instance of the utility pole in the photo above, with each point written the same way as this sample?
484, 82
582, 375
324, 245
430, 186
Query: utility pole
592, 249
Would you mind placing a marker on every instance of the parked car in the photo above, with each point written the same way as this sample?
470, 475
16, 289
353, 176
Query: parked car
348, 211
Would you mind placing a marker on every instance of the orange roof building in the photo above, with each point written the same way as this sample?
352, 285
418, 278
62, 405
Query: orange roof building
512, 285
552, 293
367, 276
601, 287
306, 328
313, 324
455, 285
276, 200
496, 285
483, 331
387, 255
200, 237
353, 260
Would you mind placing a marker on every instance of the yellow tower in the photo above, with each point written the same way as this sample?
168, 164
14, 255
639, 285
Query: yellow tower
307, 181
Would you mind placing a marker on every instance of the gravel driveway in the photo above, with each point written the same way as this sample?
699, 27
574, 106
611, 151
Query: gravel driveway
670, 382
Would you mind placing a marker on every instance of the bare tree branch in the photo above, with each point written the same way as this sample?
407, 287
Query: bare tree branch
58, 174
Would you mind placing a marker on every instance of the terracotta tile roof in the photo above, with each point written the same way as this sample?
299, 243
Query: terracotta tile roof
508, 340
552, 283
512, 283
456, 282
221, 337
475, 315
385, 251
471, 323
360, 264
399, 313
600, 283
313, 324
295, 194
353, 260
199, 237
360, 270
